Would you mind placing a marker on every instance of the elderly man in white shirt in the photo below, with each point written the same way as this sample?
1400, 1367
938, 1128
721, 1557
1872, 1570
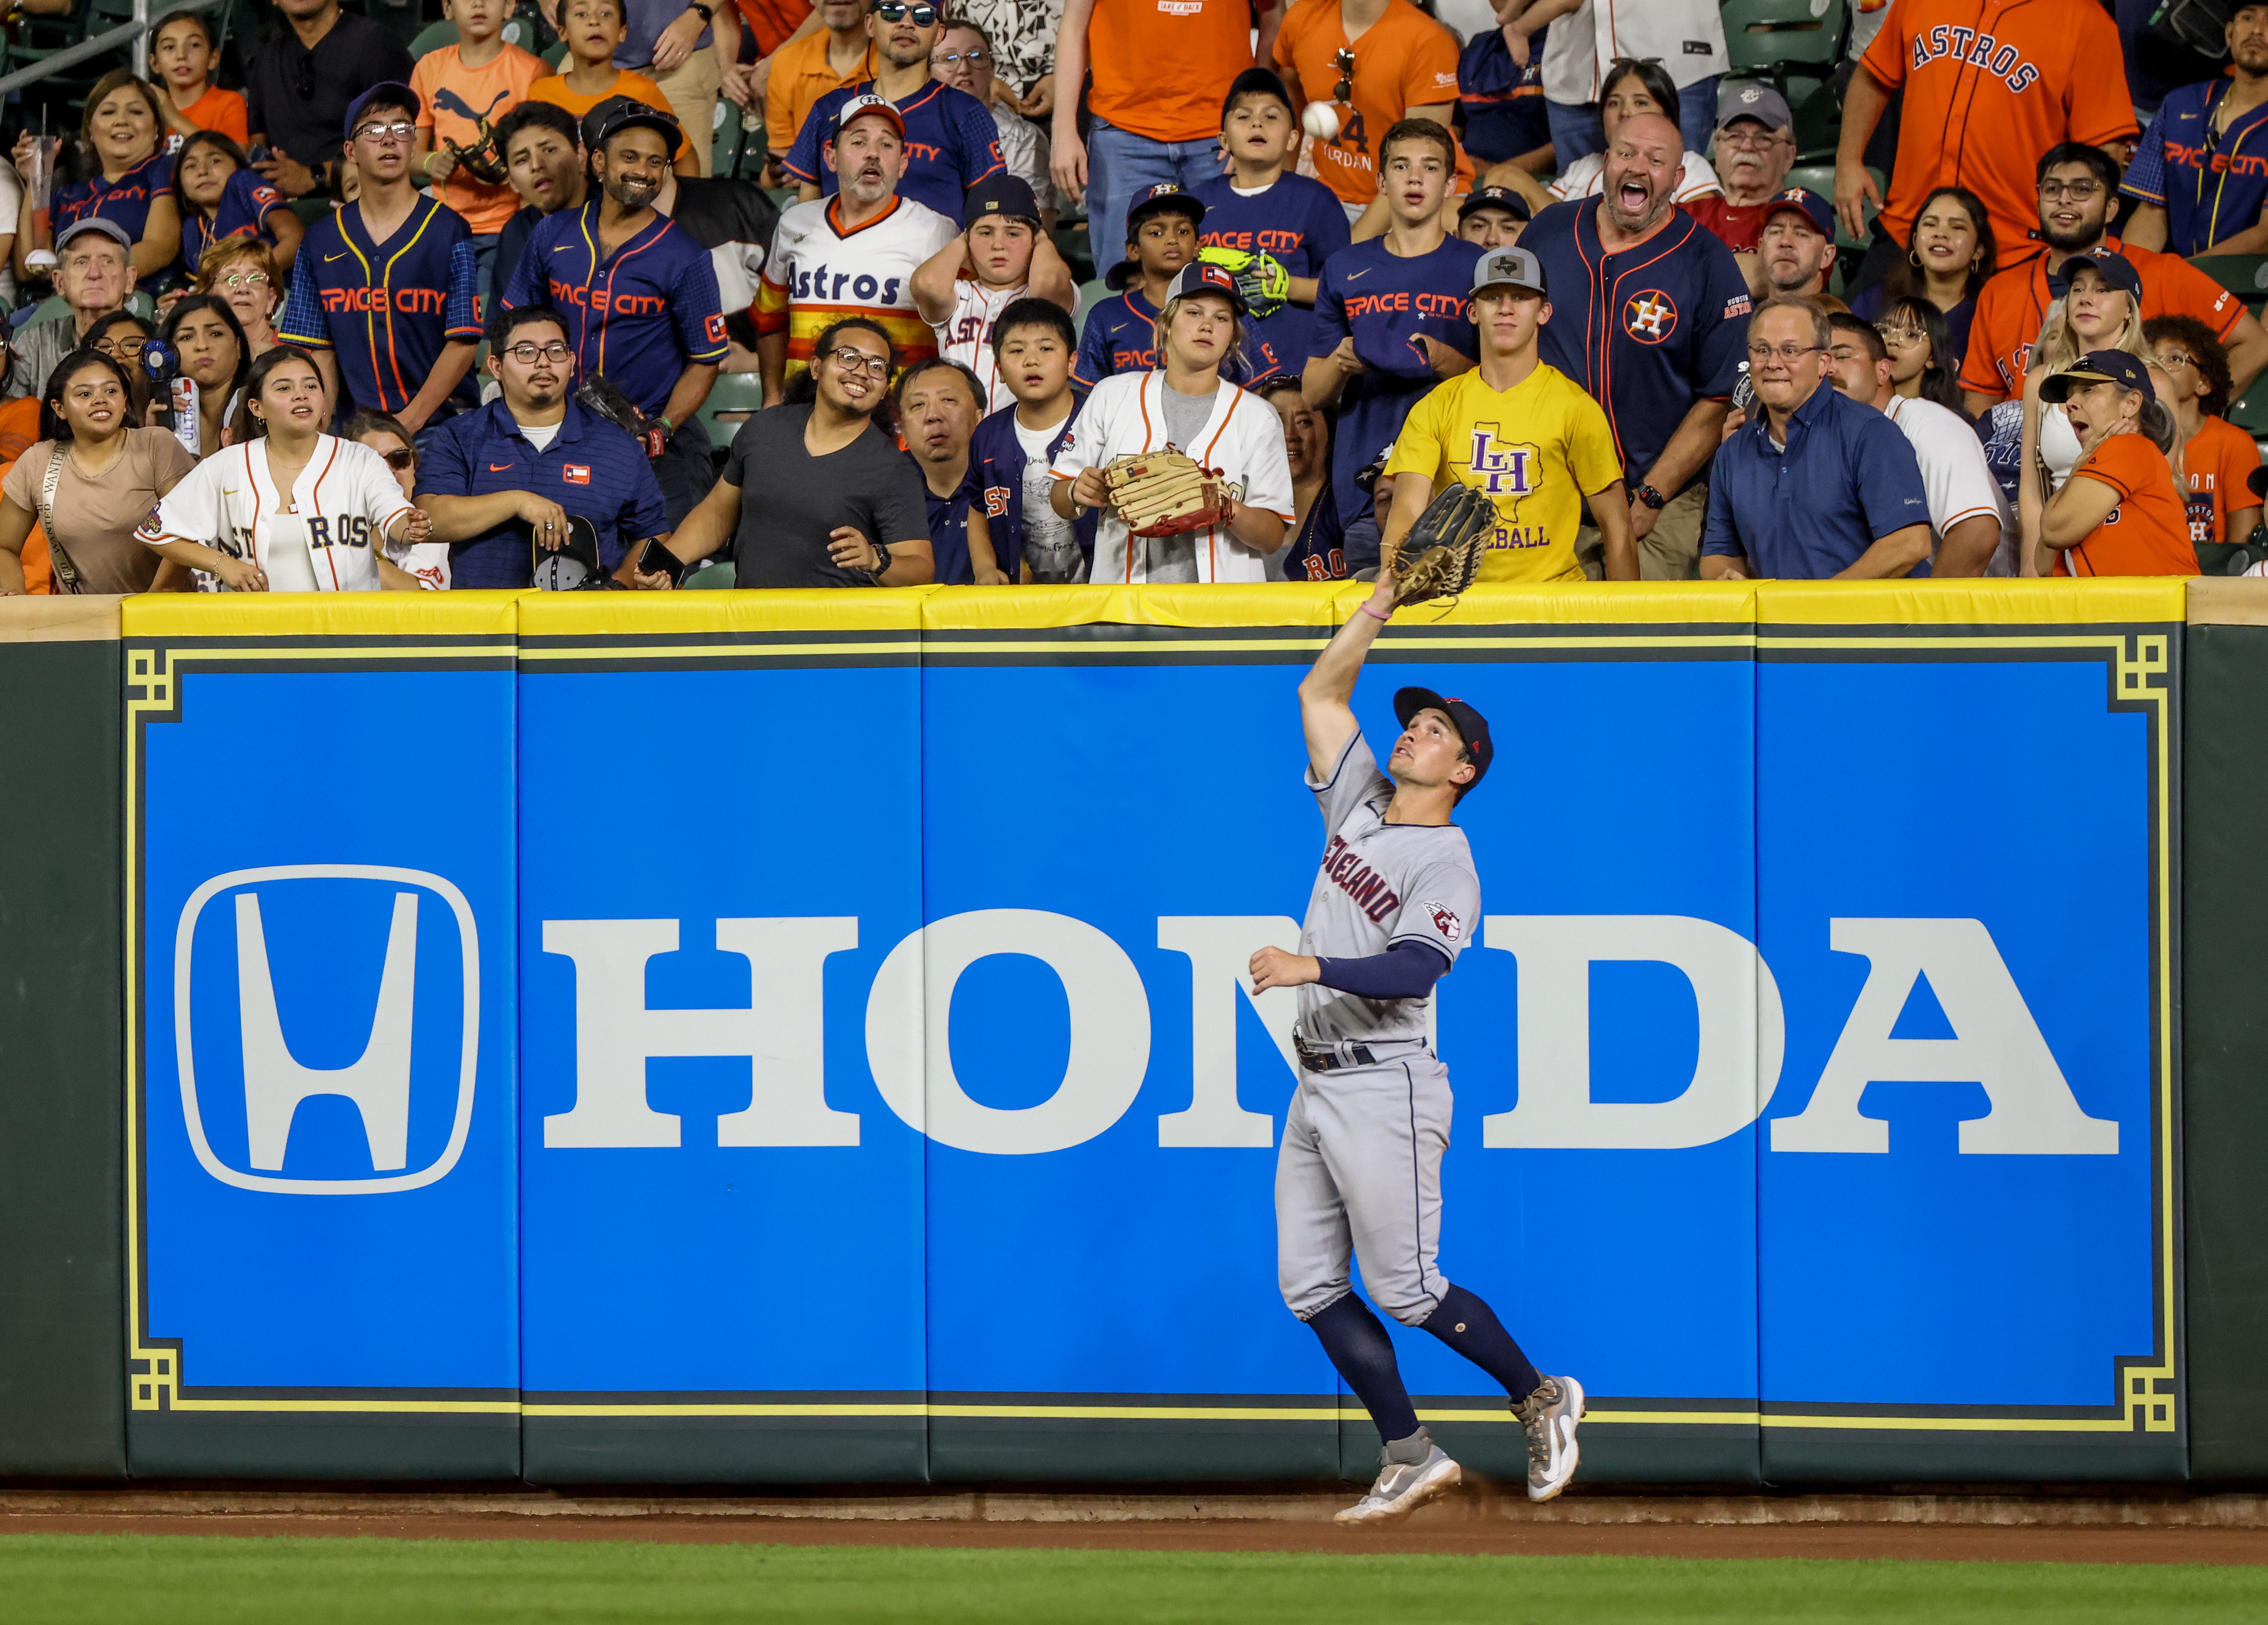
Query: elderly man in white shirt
1972, 531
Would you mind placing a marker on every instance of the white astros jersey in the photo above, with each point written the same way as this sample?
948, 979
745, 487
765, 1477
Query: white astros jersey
1242, 437
1381, 883
342, 502
818, 273
966, 336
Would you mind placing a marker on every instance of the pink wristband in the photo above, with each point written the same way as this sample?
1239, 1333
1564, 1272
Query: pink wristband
1373, 614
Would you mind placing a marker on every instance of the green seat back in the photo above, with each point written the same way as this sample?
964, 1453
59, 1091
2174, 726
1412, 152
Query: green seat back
432, 38
708, 577
1766, 37
2243, 275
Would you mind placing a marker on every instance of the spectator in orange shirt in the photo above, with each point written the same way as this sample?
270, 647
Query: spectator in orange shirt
2118, 514
1989, 84
2218, 459
182, 49
463, 89
594, 30
2077, 204
1161, 74
1374, 63
832, 57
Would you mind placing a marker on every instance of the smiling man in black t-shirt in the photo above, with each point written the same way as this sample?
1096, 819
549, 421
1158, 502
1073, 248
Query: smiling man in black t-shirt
839, 505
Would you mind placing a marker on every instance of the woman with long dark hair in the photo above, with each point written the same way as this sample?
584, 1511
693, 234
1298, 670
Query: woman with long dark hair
1923, 365
285, 507
124, 126
1632, 87
1949, 252
203, 333
218, 193
87, 482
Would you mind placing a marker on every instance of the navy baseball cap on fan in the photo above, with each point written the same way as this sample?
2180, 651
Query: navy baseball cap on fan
1804, 202
618, 113
2097, 366
2114, 268
1001, 195
1472, 727
1256, 82
1165, 197
1503, 198
389, 94
1203, 277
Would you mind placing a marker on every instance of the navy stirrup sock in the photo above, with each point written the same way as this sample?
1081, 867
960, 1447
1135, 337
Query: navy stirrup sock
1359, 1346
1470, 1327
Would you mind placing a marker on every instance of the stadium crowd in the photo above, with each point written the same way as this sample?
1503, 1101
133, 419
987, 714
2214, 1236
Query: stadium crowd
379, 321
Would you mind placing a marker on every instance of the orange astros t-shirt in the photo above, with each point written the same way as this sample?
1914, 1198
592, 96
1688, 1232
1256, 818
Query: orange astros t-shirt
2011, 306
1163, 68
462, 104
1991, 84
2147, 533
2219, 459
1403, 60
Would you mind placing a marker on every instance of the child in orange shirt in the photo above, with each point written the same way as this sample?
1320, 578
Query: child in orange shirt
181, 51
594, 30
462, 91
2119, 513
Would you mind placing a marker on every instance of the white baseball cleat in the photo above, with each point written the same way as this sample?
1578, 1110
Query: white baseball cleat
1550, 1415
1401, 1490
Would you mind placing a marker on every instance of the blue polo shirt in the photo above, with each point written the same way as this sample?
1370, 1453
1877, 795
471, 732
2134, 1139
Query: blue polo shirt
243, 209
125, 200
948, 527
387, 310
1121, 336
2209, 190
640, 316
1847, 479
591, 469
951, 144
1647, 332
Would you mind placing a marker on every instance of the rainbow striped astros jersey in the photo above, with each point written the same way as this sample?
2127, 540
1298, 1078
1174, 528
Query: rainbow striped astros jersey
819, 273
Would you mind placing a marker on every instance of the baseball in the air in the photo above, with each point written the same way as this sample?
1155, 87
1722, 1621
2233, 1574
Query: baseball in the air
1320, 121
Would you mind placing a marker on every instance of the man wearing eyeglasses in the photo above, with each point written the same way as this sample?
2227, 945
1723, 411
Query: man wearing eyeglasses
1815, 485
2078, 204
951, 141
382, 288
1755, 148
94, 273
303, 81
503, 481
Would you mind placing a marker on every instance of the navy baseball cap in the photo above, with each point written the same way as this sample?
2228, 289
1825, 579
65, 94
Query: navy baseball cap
1804, 202
1203, 277
1472, 727
389, 94
2114, 268
1001, 194
1166, 197
618, 113
2098, 366
1494, 197
1255, 82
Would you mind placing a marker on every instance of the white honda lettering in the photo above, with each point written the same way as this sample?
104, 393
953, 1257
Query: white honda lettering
1742, 1032
1220, 948
1996, 1044
908, 1040
275, 1083
781, 1031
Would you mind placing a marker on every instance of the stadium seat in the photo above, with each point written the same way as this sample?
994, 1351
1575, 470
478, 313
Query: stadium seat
708, 577
2243, 275
1818, 113
1090, 294
733, 400
2250, 414
556, 55
1765, 38
432, 38
725, 138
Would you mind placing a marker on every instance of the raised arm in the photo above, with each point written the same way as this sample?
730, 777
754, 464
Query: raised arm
1325, 692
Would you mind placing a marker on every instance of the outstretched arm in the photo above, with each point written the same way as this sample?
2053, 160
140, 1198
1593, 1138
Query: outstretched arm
1324, 693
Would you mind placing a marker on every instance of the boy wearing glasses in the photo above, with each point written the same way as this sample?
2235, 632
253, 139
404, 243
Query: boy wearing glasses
951, 141
502, 481
382, 290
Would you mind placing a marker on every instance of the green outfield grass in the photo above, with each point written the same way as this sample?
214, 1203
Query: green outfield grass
189, 1580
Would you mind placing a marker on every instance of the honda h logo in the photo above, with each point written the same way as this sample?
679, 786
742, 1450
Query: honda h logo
390, 1064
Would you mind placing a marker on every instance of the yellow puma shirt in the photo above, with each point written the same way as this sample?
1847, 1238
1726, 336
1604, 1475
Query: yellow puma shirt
1536, 448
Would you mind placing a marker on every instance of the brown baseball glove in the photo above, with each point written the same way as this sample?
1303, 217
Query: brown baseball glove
1441, 554
1165, 493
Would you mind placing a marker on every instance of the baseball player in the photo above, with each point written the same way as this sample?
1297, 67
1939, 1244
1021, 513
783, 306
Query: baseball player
1185, 404
1360, 1168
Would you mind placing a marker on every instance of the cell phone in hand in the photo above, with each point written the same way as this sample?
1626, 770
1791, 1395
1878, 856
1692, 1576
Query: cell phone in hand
658, 560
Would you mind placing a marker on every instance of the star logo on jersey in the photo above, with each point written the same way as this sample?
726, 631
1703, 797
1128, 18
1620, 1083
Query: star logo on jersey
1649, 317
1446, 920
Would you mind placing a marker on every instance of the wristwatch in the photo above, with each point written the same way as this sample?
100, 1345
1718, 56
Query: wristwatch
1653, 498
707, 15
883, 568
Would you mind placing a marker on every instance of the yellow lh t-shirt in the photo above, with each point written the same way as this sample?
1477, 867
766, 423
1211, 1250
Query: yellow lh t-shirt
1536, 448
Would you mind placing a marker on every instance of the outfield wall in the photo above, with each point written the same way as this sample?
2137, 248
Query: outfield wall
794, 1038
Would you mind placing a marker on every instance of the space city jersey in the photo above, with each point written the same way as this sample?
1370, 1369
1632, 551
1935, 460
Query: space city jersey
1298, 222
1646, 331
1384, 302
640, 315
387, 310
1380, 885
245, 203
951, 144
1121, 335
125, 201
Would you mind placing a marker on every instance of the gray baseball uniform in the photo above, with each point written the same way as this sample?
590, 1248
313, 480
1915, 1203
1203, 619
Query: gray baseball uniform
1359, 1172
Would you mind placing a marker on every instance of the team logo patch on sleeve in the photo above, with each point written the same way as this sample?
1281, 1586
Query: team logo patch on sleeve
1649, 317
1739, 304
576, 473
1446, 920
713, 329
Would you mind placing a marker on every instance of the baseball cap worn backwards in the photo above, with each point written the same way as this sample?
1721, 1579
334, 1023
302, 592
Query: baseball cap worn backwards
617, 113
1471, 726
2097, 366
